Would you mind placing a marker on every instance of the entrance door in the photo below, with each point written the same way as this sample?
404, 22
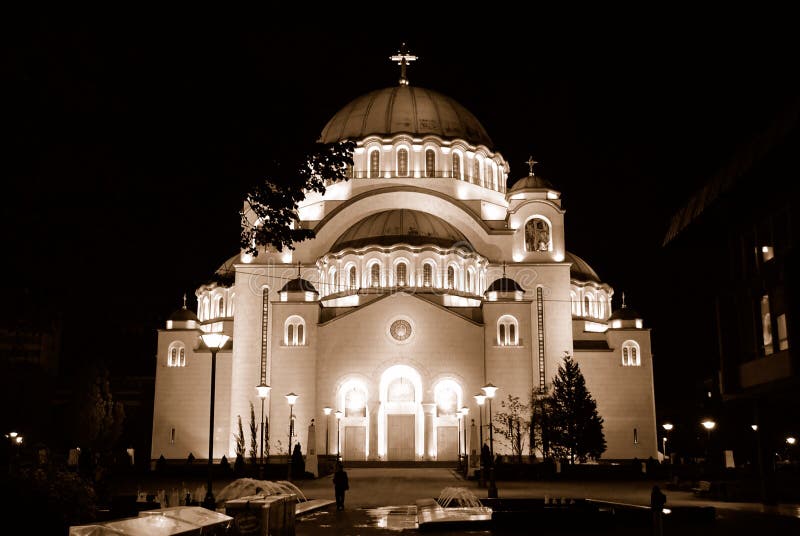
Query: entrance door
447, 443
355, 443
400, 437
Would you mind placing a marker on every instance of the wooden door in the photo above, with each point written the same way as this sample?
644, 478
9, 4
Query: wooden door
447, 443
355, 443
400, 437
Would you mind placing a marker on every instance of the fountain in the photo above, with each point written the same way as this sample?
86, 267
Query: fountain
246, 487
462, 496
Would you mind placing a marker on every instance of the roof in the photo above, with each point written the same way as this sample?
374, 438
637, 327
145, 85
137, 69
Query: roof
182, 315
299, 285
580, 269
400, 226
504, 284
624, 313
404, 110
532, 182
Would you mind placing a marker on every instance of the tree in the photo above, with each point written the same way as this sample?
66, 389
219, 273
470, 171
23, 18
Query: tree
577, 428
253, 436
512, 424
240, 443
272, 218
539, 427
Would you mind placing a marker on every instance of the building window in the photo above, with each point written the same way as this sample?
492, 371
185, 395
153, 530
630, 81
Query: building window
630, 354
766, 325
375, 163
507, 331
355, 403
375, 275
401, 275
353, 278
489, 176
430, 163
232, 303
294, 333
783, 339
427, 275
469, 281
451, 277
601, 307
537, 235
402, 163
576, 305
206, 312
456, 166
476, 172
400, 390
446, 396
176, 355
220, 307
333, 282
635, 436
172, 436
587, 305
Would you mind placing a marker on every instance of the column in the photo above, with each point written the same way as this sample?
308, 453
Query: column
373, 406
429, 409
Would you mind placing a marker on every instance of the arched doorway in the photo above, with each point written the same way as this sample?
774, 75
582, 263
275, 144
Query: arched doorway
448, 396
352, 432
400, 416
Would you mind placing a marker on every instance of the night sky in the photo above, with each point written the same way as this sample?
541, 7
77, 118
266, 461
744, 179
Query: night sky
128, 155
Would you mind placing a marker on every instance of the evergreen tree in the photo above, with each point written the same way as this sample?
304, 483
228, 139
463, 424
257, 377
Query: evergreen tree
240, 443
576, 429
539, 427
253, 436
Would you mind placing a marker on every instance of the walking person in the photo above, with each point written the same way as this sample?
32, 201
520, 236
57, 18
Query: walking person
340, 485
657, 502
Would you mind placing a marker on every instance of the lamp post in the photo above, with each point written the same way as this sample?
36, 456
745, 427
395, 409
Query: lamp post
263, 392
480, 399
214, 342
464, 412
709, 425
291, 398
667, 428
490, 391
339, 415
327, 410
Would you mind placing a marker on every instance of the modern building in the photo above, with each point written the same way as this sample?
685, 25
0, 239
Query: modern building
427, 279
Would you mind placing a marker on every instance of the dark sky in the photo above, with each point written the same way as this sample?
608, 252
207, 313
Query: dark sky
129, 154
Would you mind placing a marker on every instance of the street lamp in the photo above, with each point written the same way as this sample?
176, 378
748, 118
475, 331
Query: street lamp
709, 425
667, 428
327, 410
791, 440
480, 399
263, 392
291, 398
464, 412
214, 342
339, 416
490, 391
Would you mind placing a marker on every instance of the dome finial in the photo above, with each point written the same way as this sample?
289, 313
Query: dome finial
184, 300
531, 162
403, 58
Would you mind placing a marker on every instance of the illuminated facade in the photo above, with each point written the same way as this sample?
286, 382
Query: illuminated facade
427, 279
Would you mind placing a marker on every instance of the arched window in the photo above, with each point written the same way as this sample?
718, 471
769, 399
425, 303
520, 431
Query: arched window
576, 305
352, 278
537, 235
587, 305
427, 274
401, 274
507, 331
476, 172
176, 355
295, 331
630, 354
206, 311
469, 281
375, 275
402, 163
400, 390
601, 306
430, 163
355, 403
232, 303
457, 166
334, 283
451, 277
446, 395
375, 163
220, 307
489, 175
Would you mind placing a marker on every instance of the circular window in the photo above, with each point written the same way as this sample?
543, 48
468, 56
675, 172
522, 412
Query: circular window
400, 330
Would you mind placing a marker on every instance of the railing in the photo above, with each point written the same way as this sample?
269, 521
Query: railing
395, 174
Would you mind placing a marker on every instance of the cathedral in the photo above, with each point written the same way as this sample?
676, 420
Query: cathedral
428, 279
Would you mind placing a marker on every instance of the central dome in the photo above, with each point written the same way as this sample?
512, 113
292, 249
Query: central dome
400, 227
404, 110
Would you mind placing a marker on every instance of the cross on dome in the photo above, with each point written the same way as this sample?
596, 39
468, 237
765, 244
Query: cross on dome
184, 300
531, 162
403, 58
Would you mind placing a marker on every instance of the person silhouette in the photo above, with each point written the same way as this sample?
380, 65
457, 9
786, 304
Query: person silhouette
340, 484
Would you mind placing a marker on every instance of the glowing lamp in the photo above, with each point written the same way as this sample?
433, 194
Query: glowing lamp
790, 440
19, 440
480, 399
13, 435
214, 340
667, 426
465, 411
754, 427
291, 398
490, 390
327, 410
263, 390
339, 414
708, 424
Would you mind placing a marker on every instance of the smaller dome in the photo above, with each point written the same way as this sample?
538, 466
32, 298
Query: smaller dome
182, 315
531, 182
625, 313
299, 285
505, 284
580, 269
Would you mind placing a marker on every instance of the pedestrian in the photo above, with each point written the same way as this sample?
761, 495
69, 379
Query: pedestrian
657, 502
340, 485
